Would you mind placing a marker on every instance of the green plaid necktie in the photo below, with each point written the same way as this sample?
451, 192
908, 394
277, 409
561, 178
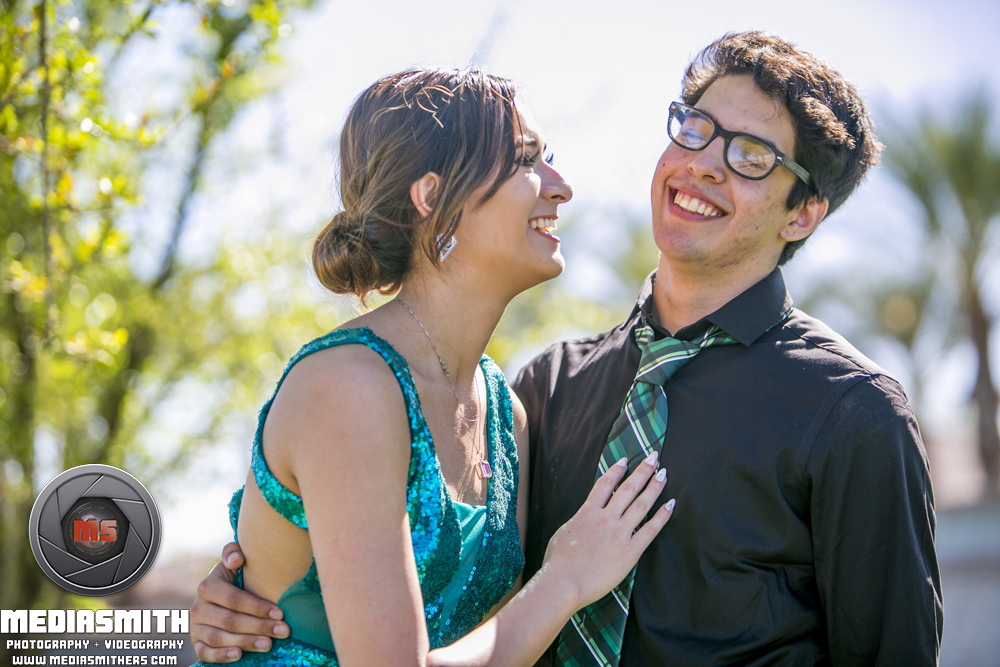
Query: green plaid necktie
593, 635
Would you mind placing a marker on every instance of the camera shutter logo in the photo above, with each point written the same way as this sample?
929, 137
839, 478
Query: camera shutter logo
94, 530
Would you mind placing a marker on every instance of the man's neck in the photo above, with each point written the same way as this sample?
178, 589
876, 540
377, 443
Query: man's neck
681, 298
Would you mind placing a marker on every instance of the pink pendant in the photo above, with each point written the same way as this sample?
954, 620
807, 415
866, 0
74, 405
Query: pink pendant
484, 470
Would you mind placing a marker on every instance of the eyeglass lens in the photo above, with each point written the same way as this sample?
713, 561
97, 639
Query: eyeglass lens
745, 155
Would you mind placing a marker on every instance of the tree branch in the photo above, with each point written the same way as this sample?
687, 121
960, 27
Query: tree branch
47, 333
180, 218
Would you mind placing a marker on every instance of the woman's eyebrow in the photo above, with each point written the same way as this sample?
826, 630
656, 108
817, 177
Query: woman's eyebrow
532, 141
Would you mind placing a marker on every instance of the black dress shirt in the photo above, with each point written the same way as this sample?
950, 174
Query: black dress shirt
804, 527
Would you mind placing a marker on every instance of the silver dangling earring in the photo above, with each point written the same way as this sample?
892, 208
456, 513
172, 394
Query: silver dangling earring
446, 248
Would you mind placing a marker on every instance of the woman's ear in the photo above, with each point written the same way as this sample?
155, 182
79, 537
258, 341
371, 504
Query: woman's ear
423, 193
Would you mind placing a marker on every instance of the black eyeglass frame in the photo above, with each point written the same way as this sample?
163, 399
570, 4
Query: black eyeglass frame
780, 159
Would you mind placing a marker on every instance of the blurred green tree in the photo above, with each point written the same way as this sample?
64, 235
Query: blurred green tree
951, 165
94, 343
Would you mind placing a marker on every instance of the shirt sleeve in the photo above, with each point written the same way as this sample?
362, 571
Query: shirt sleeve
873, 523
531, 385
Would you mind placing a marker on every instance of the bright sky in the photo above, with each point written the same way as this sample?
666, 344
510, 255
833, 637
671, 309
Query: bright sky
599, 77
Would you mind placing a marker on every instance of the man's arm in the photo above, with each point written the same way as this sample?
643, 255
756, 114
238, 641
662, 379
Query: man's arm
226, 620
872, 514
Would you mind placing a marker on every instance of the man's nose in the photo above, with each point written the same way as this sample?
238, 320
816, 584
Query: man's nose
709, 162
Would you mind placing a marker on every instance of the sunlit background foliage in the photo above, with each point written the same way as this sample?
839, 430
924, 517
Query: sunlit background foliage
105, 335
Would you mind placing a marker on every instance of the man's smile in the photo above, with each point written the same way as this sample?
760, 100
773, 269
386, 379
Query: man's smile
696, 205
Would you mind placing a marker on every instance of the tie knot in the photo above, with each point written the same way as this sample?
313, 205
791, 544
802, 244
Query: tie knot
661, 359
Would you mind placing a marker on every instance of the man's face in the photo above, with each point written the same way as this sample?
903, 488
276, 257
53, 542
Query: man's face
748, 223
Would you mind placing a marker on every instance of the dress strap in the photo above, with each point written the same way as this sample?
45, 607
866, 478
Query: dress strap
500, 418
500, 558
284, 502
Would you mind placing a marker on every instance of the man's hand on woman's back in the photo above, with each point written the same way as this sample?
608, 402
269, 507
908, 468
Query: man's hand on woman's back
226, 620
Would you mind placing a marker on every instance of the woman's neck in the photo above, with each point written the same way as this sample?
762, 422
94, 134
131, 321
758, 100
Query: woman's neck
432, 320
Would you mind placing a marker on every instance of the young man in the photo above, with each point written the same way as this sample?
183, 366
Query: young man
806, 526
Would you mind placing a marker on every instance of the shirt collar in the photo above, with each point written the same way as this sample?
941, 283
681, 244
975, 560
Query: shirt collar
746, 317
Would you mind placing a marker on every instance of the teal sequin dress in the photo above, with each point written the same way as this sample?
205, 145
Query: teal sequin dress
467, 557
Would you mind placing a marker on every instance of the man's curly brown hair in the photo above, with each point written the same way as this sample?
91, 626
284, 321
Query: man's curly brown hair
834, 135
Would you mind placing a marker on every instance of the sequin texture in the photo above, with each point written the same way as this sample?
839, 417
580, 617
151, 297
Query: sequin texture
500, 559
434, 526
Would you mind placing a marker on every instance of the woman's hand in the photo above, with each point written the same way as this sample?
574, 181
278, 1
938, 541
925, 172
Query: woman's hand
587, 557
595, 550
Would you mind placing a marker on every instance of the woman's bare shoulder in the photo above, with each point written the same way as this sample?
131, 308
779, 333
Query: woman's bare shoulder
341, 371
345, 396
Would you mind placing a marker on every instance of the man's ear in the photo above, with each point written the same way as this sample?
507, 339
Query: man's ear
423, 193
811, 213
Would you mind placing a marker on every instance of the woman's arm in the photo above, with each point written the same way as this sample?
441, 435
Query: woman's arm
352, 476
598, 538
341, 429
226, 620
586, 558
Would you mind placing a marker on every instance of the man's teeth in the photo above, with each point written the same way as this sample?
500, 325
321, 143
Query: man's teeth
695, 205
544, 225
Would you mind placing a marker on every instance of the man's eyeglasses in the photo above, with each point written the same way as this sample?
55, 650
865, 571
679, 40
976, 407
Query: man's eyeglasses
746, 155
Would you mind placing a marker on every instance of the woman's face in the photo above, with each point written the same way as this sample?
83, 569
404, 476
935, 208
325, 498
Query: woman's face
510, 238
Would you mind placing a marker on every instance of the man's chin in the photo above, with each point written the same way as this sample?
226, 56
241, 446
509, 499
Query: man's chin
678, 247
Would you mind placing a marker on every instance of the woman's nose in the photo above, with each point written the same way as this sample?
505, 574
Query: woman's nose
554, 187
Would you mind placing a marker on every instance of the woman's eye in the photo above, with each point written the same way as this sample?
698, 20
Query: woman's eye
530, 159
550, 159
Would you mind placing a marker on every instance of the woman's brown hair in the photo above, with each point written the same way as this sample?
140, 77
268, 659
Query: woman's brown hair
461, 125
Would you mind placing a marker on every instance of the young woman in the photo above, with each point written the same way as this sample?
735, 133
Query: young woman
382, 512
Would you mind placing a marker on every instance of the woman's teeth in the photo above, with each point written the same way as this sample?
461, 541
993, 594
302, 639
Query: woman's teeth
695, 205
544, 225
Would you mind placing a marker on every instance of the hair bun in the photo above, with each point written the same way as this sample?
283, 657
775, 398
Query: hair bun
341, 259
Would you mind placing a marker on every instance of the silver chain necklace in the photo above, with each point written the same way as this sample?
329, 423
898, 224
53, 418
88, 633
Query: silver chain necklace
482, 466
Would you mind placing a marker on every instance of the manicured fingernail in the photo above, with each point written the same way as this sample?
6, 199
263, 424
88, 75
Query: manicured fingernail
281, 629
661, 475
231, 559
622, 462
233, 653
276, 614
262, 644
651, 459
670, 504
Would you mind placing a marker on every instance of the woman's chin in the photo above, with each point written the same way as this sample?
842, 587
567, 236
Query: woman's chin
551, 267
559, 263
